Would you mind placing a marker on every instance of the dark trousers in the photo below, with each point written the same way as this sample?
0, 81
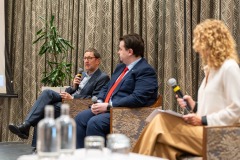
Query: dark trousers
47, 97
89, 124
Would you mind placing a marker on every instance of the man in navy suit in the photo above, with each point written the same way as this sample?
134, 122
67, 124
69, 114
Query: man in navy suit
86, 86
137, 87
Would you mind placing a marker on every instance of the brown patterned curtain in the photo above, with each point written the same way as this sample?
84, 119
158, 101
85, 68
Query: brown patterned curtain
166, 27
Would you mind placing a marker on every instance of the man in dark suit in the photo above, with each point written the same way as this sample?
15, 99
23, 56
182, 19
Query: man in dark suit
86, 86
133, 84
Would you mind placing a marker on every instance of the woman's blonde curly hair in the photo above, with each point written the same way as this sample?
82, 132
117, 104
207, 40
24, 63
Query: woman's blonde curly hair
214, 42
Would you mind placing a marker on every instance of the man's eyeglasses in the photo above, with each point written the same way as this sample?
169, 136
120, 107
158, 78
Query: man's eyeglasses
88, 58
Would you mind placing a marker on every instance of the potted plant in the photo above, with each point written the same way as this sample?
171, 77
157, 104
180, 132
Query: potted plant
56, 47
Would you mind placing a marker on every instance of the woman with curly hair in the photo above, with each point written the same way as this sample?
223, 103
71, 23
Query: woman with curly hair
218, 102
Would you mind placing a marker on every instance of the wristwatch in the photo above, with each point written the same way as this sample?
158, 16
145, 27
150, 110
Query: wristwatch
204, 120
109, 106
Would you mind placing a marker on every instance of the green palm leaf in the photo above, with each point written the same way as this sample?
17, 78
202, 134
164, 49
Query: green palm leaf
57, 71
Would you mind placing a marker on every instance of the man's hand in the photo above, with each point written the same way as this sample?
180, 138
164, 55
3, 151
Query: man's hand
192, 119
65, 95
76, 82
99, 108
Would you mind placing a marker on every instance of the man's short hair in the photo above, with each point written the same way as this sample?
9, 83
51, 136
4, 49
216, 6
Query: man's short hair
134, 42
95, 52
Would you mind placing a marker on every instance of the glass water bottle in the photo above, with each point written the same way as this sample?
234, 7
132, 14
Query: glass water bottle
67, 131
48, 138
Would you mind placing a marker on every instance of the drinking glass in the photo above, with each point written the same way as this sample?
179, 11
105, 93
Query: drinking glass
94, 147
118, 143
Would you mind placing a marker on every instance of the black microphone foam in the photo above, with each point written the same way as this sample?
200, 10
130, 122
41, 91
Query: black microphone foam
172, 82
80, 75
80, 71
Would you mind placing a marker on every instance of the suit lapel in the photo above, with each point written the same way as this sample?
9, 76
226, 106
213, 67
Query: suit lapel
128, 75
115, 77
91, 80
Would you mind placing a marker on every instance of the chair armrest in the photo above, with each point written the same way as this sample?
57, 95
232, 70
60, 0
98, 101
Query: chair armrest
221, 142
129, 121
78, 105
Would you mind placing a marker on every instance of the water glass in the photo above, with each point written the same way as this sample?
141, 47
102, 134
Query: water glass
94, 147
118, 143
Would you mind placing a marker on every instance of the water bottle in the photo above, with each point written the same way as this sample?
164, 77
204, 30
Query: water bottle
48, 139
67, 131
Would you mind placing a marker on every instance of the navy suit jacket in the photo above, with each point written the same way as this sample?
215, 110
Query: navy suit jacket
138, 88
93, 86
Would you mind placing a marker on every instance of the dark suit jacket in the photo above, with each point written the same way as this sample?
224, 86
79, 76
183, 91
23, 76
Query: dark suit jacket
93, 86
138, 88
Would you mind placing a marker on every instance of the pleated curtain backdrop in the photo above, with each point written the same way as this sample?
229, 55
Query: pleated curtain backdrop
165, 25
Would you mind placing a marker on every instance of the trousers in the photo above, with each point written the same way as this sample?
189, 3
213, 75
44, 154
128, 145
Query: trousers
89, 124
168, 136
47, 97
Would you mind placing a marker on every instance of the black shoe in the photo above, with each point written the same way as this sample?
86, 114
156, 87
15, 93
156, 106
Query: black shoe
34, 150
22, 130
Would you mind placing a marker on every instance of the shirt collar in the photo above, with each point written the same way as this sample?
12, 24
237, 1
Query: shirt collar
131, 65
90, 75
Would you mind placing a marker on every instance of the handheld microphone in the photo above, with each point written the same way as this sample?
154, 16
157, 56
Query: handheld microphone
80, 75
94, 99
80, 71
172, 82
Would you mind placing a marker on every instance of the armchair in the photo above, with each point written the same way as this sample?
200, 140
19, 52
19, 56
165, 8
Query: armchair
77, 105
221, 142
131, 121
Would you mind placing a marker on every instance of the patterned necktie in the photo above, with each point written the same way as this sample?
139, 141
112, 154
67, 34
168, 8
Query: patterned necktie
115, 85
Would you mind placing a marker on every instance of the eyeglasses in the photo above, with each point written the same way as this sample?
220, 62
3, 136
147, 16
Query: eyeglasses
88, 58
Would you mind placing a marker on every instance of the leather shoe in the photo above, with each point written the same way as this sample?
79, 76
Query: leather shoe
34, 150
22, 130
